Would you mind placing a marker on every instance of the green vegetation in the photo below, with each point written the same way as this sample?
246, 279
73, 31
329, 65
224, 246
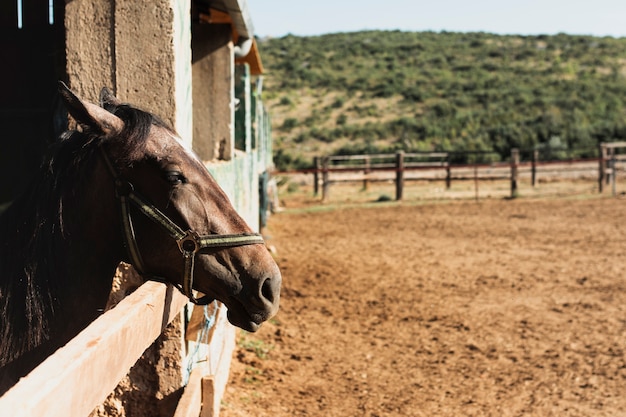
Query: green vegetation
370, 92
247, 342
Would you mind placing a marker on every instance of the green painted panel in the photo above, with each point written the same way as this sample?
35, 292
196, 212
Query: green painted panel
242, 111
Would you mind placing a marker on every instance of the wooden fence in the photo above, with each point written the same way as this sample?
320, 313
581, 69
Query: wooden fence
609, 161
80, 375
440, 166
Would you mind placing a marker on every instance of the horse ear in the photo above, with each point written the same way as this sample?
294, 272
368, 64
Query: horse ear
108, 100
88, 114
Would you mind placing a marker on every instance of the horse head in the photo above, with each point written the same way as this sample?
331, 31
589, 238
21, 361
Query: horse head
176, 222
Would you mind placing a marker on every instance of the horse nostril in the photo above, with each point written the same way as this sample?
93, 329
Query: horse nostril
267, 290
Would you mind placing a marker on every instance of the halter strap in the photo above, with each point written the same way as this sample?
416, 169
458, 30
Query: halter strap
189, 242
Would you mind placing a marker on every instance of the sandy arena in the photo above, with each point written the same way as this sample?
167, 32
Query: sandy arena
457, 308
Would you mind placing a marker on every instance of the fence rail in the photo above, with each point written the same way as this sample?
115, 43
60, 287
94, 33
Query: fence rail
80, 375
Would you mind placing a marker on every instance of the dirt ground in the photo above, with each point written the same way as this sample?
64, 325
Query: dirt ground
442, 308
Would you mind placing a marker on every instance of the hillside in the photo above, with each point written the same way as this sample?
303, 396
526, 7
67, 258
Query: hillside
385, 91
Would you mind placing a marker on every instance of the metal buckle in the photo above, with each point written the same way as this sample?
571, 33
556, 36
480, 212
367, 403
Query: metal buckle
190, 243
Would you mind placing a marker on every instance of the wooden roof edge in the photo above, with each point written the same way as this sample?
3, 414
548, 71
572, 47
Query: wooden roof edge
254, 57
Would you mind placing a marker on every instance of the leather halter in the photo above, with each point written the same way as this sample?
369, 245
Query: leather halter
189, 242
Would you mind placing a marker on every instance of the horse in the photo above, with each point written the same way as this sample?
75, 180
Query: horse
120, 187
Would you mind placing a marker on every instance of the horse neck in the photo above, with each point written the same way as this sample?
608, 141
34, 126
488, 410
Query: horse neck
94, 248
73, 280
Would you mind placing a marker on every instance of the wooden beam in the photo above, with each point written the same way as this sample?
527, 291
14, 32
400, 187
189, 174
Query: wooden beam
216, 16
214, 385
207, 383
80, 375
190, 403
615, 144
253, 58
208, 397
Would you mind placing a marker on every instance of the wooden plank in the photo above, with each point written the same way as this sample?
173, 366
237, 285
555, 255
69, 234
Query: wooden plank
207, 382
220, 360
223, 371
79, 376
190, 403
216, 17
196, 322
253, 59
208, 397
358, 157
615, 144
514, 171
424, 164
399, 175
427, 155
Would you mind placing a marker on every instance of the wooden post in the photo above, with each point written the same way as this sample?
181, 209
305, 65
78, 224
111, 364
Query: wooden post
448, 173
366, 173
601, 167
316, 173
613, 172
533, 179
475, 179
190, 403
399, 174
208, 397
609, 170
325, 182
514, 164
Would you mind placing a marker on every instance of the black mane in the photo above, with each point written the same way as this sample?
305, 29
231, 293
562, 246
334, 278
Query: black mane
33, 232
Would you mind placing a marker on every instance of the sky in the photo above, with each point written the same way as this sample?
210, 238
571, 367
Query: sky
277, 18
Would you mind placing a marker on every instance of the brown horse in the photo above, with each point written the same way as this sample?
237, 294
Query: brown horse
122, 188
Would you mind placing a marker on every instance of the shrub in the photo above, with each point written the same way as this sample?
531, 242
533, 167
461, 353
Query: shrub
285, 101
289, 124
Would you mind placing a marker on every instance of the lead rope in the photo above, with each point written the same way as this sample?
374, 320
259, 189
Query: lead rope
202, 338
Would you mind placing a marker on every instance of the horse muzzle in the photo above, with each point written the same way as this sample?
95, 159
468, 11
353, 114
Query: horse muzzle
256, 303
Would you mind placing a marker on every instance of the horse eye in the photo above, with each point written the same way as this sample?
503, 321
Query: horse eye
175, 177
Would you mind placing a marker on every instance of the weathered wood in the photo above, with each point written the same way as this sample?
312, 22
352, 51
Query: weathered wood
207, 383
609, 164
325, 181
388, 156
476, 182
514, 166
366, 173
208, 397
197, 321
615, 145
359, 157
533, 172
601, 167
614, 174
218, 365
399, 175
190, 403
79, 376
316, 174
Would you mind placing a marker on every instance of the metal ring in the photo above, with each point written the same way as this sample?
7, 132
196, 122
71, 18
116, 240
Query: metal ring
190, 243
